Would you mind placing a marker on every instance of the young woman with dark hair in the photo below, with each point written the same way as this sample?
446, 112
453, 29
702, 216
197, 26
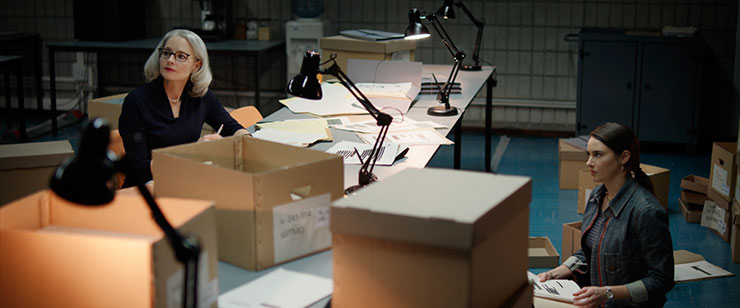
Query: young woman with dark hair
626, 258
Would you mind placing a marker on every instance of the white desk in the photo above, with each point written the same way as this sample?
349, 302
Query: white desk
418, 156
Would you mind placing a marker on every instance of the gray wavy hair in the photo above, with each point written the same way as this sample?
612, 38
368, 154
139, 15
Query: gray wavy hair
201, 78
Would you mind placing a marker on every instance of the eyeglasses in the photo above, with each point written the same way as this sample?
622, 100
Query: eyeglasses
180, 56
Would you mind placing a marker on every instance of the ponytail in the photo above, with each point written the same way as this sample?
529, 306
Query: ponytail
642, 178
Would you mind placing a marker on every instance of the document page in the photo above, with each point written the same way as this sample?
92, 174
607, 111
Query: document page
557, 289
280, 288
698, 270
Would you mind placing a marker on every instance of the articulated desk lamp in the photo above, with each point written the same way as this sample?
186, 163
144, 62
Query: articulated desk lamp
306, 85
417, 31
87, 179
446, 12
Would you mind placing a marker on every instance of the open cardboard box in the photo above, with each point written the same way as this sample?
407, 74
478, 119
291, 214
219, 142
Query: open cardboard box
26, 168
542, 253
272, 200
691, 212
660, 177
695, 183
54, 253
107, 107
403, 242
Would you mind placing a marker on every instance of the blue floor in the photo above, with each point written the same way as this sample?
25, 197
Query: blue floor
537, 157
551, 207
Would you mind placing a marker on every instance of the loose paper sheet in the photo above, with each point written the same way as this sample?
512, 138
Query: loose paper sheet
347, 149
298, 139
372, 127
557, 289
410, 137
280, 288
301, 227
336, 100
698, 270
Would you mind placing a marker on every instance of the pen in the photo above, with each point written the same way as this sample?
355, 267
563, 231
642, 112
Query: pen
219, 129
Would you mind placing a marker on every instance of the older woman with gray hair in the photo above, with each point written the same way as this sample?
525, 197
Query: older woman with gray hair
172, 106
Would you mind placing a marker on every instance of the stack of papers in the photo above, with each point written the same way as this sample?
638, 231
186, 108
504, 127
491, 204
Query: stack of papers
386, 154
336, 100
301, 133
556, 289
280, 288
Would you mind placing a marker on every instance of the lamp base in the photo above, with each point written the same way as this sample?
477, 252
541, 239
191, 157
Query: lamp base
352, 189
471, 67
442, 111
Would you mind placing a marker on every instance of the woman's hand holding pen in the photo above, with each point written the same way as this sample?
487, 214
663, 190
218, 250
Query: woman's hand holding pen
214, 136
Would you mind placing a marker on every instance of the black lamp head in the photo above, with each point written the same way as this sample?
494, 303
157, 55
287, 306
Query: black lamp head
306, 83
87, 177
416, 30
446, 10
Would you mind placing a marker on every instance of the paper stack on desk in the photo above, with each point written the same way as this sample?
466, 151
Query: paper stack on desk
301, 133
387, 153
557, 289
280, 288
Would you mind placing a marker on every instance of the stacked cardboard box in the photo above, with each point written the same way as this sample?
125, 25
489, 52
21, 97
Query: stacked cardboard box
571, 239
693, 196
571, 160
27, 167
350, 48
723, 175
398, 243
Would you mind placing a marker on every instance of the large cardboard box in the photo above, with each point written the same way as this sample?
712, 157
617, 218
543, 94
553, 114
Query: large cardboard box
571, 239
27, 167
54, 253
350, 48
735, 233
722, 173
401, 242
542, 253
660, 177
572, 159
108, 107
272, 200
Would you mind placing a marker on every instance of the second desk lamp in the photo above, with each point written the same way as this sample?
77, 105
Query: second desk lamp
416, 30
306, 85
447, 12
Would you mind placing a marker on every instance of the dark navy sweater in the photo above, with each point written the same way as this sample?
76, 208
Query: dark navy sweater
147, 123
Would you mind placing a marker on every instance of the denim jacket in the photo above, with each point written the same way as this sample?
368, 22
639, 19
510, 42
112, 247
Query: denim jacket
634, 248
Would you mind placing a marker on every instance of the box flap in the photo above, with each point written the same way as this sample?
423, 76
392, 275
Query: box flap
684, 256
34, 154
340, 42
432, 206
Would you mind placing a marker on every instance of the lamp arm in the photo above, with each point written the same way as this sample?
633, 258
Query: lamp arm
187, 250
380, 117
446, 39
478, 24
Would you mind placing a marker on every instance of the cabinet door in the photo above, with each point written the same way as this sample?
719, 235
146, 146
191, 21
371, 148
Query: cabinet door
667, 92
605, 86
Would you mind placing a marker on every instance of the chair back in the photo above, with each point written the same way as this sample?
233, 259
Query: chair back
246, 116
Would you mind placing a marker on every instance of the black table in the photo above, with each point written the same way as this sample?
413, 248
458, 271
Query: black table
230, 47
14, 63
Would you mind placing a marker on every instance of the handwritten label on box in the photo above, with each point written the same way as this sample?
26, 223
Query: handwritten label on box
719, 180
713, 216
301, 227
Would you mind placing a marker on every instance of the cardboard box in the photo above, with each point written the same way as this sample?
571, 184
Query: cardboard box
572, 159
522, 298
691, 212
350, 48
539, 302
108, 107
722, 173
717, 218
737, 179
55, 253
542, 253
735, 233
272, 200
660, 177
26, 168
688, 196
695, 183
402, 243
571, 239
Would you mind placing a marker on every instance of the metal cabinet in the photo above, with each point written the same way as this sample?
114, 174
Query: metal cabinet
648, 83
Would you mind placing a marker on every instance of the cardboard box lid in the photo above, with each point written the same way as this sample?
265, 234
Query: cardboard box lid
542, 253
34, 154
439, 207
567, 151
340, 42
695, 183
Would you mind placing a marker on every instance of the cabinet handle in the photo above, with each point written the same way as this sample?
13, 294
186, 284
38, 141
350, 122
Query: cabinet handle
647, 86
629, 86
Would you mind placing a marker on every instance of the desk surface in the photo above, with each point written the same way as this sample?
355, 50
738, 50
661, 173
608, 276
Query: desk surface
320, 264
418, 155
151, 43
